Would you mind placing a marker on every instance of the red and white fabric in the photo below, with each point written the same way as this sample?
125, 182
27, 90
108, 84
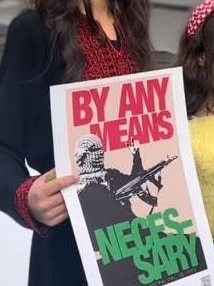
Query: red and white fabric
199, 16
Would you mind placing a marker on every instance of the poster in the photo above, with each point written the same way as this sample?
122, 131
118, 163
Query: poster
137, 210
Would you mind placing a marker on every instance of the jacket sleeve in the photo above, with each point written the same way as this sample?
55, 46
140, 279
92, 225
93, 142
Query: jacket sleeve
23, 61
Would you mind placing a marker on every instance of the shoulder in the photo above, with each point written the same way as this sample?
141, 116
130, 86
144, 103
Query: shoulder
27, 47
28, 28
28, 20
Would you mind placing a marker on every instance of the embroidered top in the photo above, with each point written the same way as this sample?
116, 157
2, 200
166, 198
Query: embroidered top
103, 60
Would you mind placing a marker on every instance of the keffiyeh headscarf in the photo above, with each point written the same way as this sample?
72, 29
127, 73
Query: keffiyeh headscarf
89, 155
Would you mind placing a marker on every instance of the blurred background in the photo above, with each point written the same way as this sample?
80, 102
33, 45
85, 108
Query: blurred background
167, 21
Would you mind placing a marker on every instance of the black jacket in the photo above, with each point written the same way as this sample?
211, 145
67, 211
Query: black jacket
29, 66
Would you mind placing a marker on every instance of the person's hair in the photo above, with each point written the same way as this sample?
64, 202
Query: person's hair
196, 56
61, 17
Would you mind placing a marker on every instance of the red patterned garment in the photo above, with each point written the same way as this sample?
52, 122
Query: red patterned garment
21, 204
103, 60
199, 16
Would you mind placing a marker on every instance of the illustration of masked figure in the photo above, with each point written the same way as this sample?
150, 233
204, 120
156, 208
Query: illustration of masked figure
98, 194
99, 205
89, 157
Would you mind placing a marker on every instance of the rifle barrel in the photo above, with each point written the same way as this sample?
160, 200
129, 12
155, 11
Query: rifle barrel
143, 176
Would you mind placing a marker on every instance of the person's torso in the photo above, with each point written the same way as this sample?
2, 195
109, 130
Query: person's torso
202, 137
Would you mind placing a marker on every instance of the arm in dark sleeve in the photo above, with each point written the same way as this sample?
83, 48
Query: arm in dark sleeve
24, 59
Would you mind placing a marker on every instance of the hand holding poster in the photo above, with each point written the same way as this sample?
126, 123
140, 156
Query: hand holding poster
137, 210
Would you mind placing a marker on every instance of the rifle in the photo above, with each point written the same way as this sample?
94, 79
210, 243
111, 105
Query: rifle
134, 186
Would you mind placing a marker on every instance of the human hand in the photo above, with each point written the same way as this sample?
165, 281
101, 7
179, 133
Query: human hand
45, 200
132, 147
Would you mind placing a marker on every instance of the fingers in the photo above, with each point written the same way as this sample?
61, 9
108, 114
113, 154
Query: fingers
54, 216
57, 220
55, 185
45, 204
57, 211
45, 200
53, 221
55, 200
52, 185
50, 210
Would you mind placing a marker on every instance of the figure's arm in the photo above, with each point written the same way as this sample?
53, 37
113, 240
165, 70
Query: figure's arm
137, 161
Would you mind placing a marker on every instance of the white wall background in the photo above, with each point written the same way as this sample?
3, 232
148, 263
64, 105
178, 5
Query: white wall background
165, 38
15, 241
8, 9
15, 244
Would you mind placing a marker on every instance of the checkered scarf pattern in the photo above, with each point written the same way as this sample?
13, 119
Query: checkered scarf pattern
199, 16
89, 155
